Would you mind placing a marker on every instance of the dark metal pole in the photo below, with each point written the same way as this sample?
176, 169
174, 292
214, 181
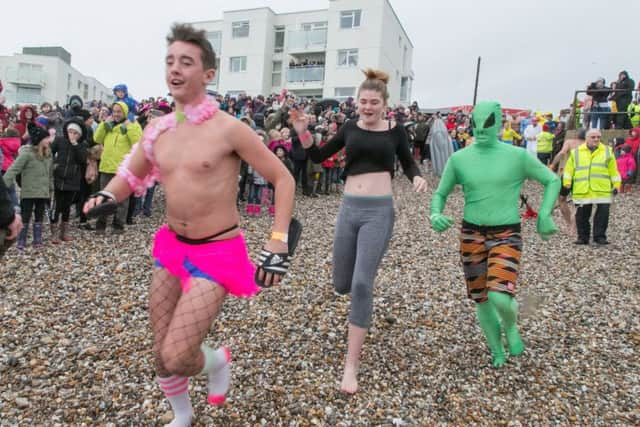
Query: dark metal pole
475, 90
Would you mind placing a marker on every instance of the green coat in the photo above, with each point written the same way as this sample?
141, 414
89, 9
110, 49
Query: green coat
36, 174
117, 143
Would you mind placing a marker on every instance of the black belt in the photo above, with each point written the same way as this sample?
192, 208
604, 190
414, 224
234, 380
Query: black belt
491, 228
204, 240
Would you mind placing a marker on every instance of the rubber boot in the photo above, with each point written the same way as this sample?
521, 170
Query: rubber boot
249, 209
64, 232
507, 308
272, 210
54, 234
37, 235
490, 324
22, 237
257, 210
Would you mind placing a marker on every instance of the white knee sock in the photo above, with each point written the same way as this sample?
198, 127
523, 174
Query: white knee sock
217, 366
176, 390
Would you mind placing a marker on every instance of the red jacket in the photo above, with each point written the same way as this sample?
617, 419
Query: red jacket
21, 126
9, 147
634, 142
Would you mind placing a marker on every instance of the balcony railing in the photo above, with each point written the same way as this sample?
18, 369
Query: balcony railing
307, 40
307, 73
26, 77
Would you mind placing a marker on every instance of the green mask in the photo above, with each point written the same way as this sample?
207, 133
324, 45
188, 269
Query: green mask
486, 121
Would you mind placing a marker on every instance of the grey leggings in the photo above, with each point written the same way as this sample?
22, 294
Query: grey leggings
363, 230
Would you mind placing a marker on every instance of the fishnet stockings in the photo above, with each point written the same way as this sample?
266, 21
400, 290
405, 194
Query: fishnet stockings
181, 322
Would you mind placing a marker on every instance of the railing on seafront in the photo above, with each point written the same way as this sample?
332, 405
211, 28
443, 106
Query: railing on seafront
635, 97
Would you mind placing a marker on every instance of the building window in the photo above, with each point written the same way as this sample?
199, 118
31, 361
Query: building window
238, 64
310, 26
348, 58
276, 74
279, 45
350, 18
94, 92
404, 58
342, 93
404, 89
85, 92
399, 41
69, 81
215, 38
240, 29
28, 95
79, 85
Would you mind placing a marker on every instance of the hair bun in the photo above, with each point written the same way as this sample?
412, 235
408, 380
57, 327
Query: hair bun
373, 74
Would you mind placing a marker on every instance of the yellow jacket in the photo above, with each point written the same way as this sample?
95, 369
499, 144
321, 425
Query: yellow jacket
593, 174
117, 142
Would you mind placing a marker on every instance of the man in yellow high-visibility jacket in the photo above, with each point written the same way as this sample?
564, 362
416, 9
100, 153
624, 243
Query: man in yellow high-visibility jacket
591, 174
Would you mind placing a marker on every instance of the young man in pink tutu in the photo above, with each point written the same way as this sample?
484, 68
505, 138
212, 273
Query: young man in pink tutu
200, 254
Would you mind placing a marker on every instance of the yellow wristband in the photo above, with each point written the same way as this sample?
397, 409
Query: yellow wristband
283, 237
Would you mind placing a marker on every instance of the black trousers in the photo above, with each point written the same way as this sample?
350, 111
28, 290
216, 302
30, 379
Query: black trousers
300, 168
600, 221
28, 206
63, 202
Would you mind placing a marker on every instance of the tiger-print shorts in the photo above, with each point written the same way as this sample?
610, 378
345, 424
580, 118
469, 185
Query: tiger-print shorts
490, 258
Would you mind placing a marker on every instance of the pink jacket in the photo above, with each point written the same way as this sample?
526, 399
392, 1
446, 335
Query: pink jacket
626, 165
9, 147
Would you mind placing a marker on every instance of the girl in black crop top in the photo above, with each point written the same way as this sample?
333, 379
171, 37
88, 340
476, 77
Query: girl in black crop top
366, 217
369, 151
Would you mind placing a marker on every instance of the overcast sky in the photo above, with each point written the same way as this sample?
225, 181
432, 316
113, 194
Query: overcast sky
534, 53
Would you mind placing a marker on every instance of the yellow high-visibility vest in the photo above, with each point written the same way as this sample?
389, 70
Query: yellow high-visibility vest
593, 174
545, 142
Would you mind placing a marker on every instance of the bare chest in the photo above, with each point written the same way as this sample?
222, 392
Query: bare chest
192, 150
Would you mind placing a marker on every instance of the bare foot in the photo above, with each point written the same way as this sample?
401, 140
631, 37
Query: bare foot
349, 381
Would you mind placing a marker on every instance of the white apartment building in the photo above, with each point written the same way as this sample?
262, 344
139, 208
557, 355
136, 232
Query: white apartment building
42, 74
316, 53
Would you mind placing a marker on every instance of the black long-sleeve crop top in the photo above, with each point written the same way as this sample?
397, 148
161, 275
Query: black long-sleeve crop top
369, 151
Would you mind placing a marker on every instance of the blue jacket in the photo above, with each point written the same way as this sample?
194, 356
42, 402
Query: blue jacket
131, 103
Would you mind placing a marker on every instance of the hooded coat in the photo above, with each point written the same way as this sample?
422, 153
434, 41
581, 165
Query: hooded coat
69, 160
131, 103
440, 146
634, 142
117, 139
21, 126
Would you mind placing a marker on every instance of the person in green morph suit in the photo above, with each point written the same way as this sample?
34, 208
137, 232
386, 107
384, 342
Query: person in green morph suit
491, 175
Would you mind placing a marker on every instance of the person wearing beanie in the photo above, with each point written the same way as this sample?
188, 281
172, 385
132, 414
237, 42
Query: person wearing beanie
34, 165
117, 135
544, 143
69, 160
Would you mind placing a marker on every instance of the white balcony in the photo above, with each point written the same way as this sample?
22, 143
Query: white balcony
307, 41
26, 77
309, 73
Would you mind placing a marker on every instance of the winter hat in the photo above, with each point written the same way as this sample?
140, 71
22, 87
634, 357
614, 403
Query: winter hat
37, 133
545, 127
75, 127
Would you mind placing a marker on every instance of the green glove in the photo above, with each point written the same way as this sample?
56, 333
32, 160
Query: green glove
440, 222
546, 227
